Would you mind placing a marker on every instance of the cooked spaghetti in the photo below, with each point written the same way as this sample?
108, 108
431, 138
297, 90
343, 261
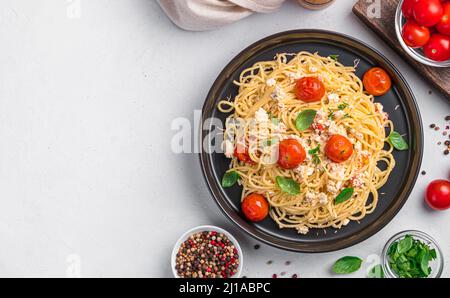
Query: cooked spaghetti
265, 112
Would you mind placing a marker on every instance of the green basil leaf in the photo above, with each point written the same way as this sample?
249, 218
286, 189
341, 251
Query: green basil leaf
405, 244
288, 186
347, 265
345, 194
397, 141
376, 272
230, 179
305, 119
334, 57
315, 150
424, 260
342, 106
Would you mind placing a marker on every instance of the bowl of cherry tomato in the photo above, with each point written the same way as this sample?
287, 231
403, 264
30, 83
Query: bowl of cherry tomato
423, 30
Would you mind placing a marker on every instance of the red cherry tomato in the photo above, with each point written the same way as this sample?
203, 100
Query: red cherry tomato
241, 152
255, 207
428, 12
290, 154
309, 89
376, 81
338, 148
407, 8
438, 195
414, 35
438, 48
444, 24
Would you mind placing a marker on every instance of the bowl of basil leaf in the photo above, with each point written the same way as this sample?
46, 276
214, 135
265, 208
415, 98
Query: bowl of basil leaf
412, 254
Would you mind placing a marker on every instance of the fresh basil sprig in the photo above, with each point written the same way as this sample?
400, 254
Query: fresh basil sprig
397, 141
230, 179
288, 185
305, 119
347, 265
345, 194
315, 155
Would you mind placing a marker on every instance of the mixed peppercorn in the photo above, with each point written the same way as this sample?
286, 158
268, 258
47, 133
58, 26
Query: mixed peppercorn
207, 254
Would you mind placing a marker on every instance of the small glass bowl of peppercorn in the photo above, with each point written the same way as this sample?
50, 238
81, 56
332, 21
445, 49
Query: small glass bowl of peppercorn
412, 254
207, 252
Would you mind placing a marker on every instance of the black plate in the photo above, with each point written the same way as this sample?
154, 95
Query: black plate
399, 103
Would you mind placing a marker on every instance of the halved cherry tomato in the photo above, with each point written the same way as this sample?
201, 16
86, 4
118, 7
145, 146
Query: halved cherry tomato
444, 24
407, 8
309, 89
241, 152
338, 148
414, 35
376, 81
428, 12
438, 195
255, 207
290, 154
438, 48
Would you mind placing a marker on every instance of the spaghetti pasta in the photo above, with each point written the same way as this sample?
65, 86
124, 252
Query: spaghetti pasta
264, 112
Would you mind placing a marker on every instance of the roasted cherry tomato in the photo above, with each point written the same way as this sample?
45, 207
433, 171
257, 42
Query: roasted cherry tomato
438, 195
428, 12
241, 152
407, 8
338, 148
438, 48
255, 207
376, 81
444, 24
414, 35
290, 154
309, 89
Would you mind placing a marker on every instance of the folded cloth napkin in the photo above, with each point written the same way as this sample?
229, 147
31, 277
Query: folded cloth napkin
198, 15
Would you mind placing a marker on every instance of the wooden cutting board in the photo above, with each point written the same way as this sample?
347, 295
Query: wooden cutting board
385, 28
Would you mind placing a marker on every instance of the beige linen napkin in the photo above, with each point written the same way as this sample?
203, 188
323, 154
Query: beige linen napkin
198, 15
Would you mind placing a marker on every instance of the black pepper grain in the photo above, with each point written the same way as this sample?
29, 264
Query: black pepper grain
424, 173
257, 246
432, 125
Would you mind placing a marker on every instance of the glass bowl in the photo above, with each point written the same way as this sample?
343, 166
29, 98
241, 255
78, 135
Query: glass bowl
206, 228
436, 265
416, 54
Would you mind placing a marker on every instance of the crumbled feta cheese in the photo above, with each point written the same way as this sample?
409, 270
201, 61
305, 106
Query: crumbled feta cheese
339, 114
271, 82
313, 69
261, 116
333, 98
331, 188
303, 230
294, 76
323, 198
337, 170
358, 146
310, 196
304, 171
229, 149
358, 180
335, 129
345, 222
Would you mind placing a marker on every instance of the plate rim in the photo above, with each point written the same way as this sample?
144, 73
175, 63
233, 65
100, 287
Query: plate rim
410, 103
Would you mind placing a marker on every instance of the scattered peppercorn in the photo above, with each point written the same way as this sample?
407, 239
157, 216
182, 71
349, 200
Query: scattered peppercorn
439, 143
444, 133
207, 254
447, 143
274, 276
294, 275
446, 152
424, 173
436, 128
257, 246
447, 118
283, 273
269, 262
433, 125
287, 263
